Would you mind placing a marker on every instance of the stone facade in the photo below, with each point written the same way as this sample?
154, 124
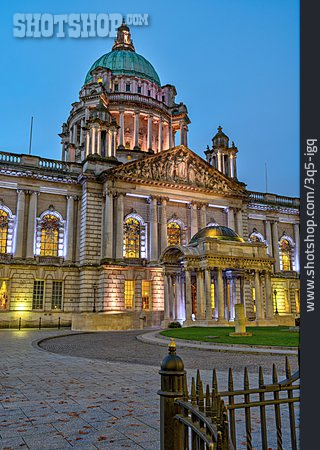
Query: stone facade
85, 235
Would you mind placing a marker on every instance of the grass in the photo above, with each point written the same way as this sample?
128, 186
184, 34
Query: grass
269, 336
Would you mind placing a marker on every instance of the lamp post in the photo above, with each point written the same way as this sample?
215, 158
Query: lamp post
275, 300
94, 286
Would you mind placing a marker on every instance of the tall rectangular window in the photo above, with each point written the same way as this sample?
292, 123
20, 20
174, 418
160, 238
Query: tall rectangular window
139, 89
56, 301
38, 294
212, 296
146, 294
128, 294
127, 87
116, 87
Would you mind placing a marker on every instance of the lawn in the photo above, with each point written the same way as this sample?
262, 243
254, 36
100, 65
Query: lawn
269, 336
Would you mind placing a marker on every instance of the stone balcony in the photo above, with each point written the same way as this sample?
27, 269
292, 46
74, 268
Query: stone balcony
274, 200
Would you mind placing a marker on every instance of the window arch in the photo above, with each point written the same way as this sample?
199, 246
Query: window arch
256, 237
50, 234
6, 229
134, 237
286, 245
174, 233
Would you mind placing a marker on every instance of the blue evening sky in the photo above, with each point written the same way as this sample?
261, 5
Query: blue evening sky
234, 63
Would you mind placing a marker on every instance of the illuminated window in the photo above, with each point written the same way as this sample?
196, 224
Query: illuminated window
128, 294
49, 235
256, 237
38, 294
132, 238
4, 227
285, 254
174, 233
3, 294
146, 294
56, 301
254, 298
297, 298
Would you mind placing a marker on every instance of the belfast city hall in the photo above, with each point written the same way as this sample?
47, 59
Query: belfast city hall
131, 228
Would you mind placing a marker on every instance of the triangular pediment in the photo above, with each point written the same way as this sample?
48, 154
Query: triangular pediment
178, 166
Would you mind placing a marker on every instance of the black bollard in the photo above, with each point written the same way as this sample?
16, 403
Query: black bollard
59, 323
19, 326
172, 375
39, 323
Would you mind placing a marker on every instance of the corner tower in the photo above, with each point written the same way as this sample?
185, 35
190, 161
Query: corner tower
123, 112
221, 156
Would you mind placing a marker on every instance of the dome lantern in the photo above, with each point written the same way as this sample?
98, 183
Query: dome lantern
123, 40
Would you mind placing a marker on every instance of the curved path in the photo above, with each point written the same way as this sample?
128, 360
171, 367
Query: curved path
95, 390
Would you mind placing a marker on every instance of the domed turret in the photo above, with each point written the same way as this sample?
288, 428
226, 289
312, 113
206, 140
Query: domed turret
221, 156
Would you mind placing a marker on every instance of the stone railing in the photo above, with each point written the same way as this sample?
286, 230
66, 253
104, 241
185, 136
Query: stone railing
273, 199
30, 161
123, 97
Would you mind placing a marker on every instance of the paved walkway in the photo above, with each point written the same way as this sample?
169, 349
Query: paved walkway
154, 337
54, 401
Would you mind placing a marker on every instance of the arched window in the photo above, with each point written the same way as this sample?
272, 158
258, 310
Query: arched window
134, 236
285, 254
132, 233
256, 237
4, 227
50, 234
174, 233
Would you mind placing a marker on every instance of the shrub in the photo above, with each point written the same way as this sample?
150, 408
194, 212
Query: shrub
174, 325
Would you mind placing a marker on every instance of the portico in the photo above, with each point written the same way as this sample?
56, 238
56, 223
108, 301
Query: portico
206, 278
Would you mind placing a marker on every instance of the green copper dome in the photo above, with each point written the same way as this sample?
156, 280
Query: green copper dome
126, 62
216, 232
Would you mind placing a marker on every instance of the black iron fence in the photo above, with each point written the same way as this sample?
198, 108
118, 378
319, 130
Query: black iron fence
206, 418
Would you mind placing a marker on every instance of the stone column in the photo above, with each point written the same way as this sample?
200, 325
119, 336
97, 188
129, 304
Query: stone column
153, 229
150, 132
233, 292
70, 227
121, 130
170, 297
239, 222
203, 216
275, 246
221, 316
164, 224
231, 218
231, 166
31, 230
194, 219
257, 287
171, 141
136, 131
207, 278
181, 133
119, 224
87, 142
188, 295
268, 236
297, 247
108, 225
75, 134
269, 301
81, 132
166, 297
19, 229
200, 295
160, 135
93, 140
178, 297
219, 161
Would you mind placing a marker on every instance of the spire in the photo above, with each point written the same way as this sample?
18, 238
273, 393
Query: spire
123, 40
